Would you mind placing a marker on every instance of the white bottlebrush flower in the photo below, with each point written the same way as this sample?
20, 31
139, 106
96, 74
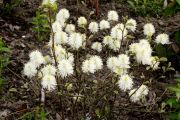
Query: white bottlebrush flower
82, 22
97, 46
143, 52
92, 64
112, 63
70, 28
104, 24
154, 63
138, 93
108, 40
65, 68
48, 70
115, 45
149, 29
131, 24
75, 40
97, 62
133, 47
30, 69
119, 32
143, 55
36, 58
85, 66
143, 90
49, 82
56, 26
62, 15
61, 54
93, 27
144, 43
113, 16
124, 61
125, 82
46, 2
60, 37
162, 39
59, 51
88, 66
134, 95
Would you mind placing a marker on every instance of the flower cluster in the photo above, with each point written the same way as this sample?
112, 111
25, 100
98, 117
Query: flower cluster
92, 64
61, 63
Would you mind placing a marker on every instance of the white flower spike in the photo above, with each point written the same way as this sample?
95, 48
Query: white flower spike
104, 25
93, 27
125, 82
149, 29
113, 16
162, 39
49, 82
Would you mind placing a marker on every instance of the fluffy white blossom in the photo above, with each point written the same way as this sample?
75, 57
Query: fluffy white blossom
70, 28
60, 37
65, 68
93, 27
49, 82
131, 24
61, 54
112, 63
113, 16
48, 70
36, 58
75, 40
56, 26
30, 69
125, 82
46, 2
154, 63
104, 24
142, 51
123, 61
62, 15
149, 29
133, 47
59, 51
82, 22
138, 93
88, 66
113, 44
97, 46
119, 32
92, 64
107, 40
162, 38
118, 65
97, 61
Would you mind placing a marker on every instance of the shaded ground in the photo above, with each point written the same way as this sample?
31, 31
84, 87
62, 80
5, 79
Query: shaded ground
16, 31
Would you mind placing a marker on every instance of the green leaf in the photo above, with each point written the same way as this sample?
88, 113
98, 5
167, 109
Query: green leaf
175, 89
178, 1
131, 4
4, 49
178, 79
97, 111
177, 37
163, 59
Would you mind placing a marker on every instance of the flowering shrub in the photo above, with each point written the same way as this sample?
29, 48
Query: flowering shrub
64, 70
